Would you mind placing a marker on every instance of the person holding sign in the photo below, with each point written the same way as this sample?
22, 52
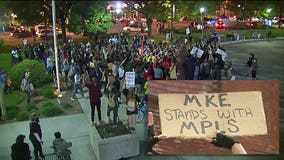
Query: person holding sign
232, 143
152, 139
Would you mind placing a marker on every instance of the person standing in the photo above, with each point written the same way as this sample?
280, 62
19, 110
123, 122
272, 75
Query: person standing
95, 95
254, 67
36, 136
131, 110
113, 104
77, 85
26, 87
173, 71
2, 86
20, 149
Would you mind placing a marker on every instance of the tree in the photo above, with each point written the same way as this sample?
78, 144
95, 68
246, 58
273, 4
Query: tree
90, 17
63, 9
24, 10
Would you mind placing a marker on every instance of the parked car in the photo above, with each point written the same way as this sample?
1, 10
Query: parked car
45, 33
21, 34
135, 28
219, 25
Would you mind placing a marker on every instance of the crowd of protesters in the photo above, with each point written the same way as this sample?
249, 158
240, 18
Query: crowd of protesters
106, 62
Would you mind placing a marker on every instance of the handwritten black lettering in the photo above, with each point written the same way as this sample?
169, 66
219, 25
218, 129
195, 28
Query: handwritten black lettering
239, 111
203, 114
234, 128
204, 125
217, 125
180, 115
222, 115
189, 99
170, 115
188, 126
222, 100
208, 100
248, 112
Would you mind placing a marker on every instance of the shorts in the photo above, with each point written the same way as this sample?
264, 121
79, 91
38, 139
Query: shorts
132, 112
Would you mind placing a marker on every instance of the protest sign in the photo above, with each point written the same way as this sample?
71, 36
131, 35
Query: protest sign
200, 115
200, 53
130, 79
193, 51
222, 53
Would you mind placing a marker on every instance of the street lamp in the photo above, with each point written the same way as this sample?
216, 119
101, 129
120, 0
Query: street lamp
268, 10
59, 95
118, 11
202, 9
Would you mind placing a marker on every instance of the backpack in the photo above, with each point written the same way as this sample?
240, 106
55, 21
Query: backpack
205, 69
111, 102
131, 104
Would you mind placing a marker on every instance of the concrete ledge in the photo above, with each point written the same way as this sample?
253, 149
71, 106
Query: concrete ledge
114, 148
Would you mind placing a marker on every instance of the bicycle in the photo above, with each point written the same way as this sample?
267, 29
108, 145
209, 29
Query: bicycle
142, 111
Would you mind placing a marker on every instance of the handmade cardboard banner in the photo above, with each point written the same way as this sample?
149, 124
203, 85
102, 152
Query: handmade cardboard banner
130, 79
200, 115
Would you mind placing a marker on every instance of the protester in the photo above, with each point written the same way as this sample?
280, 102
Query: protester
131, 109
224, 141
27, 87
77, 85
152, 138
36, 136
113, 104
61, 146
95, 95
253, 66
20, 149
2, 86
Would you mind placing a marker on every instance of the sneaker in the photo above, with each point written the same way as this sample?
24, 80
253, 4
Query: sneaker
72, 99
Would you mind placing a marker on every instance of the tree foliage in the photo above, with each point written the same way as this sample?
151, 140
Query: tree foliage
27, 9
90, 17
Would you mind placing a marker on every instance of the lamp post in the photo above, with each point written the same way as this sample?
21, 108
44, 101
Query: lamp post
55, 49
202, 9
268, 22
118, 10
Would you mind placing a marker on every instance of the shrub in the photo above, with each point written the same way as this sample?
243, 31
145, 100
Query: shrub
14, 99
23, 115
1, 42
46, 91
67, 105
32, 108
12, 111
50, 109
38, 73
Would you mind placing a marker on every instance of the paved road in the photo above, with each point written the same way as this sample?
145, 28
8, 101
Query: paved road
76, 127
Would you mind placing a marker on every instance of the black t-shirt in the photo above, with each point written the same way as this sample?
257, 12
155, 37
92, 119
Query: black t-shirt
35, 128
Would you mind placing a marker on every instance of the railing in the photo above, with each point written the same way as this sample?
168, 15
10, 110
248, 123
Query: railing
239, 37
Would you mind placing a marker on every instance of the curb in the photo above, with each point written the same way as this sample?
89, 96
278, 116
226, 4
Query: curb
250, 40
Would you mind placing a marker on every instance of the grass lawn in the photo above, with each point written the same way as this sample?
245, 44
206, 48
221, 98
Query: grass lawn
5, 61
14, 99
